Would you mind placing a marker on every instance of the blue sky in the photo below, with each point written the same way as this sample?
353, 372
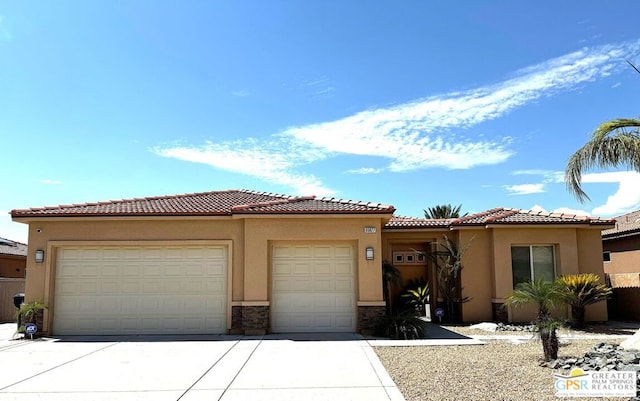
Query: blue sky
413, 103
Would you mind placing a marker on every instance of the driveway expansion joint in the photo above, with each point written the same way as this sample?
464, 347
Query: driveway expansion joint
57, 366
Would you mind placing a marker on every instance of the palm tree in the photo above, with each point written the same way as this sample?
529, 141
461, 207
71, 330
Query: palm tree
390, 276
443, 212
614, 143
583, 290
546, 295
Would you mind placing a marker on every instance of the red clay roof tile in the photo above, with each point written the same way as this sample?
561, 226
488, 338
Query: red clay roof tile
207, 204
501, 216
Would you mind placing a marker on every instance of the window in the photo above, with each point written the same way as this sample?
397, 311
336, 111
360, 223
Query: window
606, 256
532, 262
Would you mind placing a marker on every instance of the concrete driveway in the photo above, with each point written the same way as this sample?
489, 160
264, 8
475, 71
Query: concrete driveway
298, 367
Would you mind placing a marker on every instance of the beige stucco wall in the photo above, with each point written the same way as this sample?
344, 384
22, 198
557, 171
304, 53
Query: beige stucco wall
250, 241
576, 251
42, 233
477, 274
261, 233
487, 263
590, 261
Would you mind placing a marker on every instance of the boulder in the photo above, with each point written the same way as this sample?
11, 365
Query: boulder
484, 326
632, 343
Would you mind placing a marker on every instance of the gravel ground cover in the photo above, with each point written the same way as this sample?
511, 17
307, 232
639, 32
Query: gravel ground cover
497, 371
594, 329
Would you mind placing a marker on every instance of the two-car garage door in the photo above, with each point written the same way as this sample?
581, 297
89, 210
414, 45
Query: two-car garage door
313, 288
140, 290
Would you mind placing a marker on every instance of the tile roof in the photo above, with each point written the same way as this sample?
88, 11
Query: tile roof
218, 203
502, 216
626, 225
13, 248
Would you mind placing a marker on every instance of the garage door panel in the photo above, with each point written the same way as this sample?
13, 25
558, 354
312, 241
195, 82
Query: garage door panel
313, 288
140, 290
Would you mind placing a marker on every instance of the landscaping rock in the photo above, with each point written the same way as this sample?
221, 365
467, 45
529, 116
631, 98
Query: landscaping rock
528, 328
602, 357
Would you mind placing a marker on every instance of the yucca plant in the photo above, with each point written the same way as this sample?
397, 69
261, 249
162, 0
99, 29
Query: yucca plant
582, 290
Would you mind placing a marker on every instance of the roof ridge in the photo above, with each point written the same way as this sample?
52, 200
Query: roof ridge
355, 202
271, 202
462, 219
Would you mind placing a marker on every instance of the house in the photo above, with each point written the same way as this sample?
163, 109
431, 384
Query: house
251, 262
621, 256
13, 262
13, 258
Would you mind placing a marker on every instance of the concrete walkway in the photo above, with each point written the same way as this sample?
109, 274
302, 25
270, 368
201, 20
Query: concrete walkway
297, 367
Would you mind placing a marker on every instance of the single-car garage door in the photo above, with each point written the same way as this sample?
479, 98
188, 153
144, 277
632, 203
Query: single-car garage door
140, 290
313, 288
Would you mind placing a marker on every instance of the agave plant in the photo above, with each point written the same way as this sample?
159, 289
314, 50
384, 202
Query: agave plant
401, 326
582, 290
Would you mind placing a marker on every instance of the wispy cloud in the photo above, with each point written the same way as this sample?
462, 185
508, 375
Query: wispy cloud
413, 135
240, 93
272, 164
524, 189
365, 170
548, 176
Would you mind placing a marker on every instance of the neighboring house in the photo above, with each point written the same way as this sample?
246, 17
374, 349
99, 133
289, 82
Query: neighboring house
13, 258
621, 255
250, 262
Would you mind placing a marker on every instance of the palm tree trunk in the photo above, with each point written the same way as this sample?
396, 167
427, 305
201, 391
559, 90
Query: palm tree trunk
550, 344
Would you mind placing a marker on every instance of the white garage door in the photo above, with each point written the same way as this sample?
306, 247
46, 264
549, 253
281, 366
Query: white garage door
140, 290
313, 289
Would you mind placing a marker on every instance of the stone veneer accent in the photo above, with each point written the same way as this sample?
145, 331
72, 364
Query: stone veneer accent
500, 313
249, 320
368, 318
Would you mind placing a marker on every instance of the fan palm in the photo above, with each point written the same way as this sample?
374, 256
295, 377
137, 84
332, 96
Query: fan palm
614, 143
546, 295
583, 290
443, 212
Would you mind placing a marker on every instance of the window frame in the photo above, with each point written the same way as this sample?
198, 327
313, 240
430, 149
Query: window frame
531, 261
608, 258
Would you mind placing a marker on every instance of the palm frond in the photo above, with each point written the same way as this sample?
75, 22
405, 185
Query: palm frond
614, 143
